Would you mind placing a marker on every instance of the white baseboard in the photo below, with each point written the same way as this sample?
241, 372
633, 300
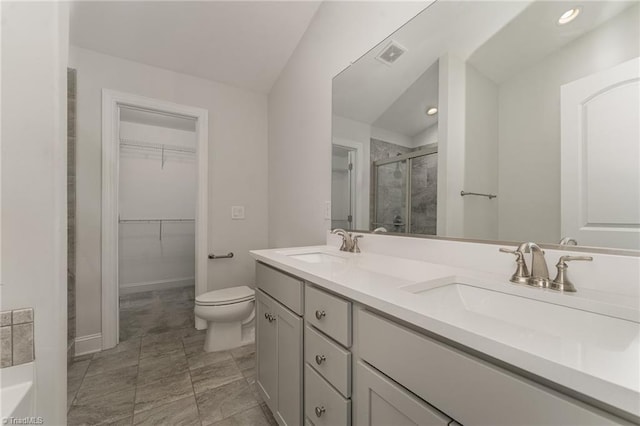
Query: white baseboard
88, 344
156, 285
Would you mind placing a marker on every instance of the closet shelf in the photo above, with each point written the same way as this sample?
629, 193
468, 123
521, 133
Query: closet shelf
158, 221
154, 220
155, 146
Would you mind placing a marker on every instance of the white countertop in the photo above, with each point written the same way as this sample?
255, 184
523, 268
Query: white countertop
600, 362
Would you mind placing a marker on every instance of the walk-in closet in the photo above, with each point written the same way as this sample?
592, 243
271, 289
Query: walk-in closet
156, 227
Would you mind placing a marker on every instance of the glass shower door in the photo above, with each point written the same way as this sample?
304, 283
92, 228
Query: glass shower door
391, 195
424, 194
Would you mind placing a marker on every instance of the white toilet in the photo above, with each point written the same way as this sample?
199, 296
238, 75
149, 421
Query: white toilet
229, 315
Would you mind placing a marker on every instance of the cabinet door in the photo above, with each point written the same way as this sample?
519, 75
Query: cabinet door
381, 402
289, 365
266, 350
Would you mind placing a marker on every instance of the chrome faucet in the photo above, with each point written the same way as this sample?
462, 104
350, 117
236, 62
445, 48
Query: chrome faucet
539, 276
349, 241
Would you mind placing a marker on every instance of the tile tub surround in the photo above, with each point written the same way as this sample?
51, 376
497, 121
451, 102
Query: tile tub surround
609, 285
166, 378
71, 213
16, 337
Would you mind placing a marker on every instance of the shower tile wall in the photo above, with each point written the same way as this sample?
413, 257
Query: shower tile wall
424, 194
71, 213
392, 202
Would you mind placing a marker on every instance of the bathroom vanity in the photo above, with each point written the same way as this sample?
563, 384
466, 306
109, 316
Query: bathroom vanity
373, 339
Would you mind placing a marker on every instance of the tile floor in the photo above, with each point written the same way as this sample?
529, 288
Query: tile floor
153, 312
159, 374
167, 379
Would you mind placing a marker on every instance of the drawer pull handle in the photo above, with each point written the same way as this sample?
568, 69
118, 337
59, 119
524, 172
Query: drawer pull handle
320, 359
320, 411
320, 314
266, 316
270, 317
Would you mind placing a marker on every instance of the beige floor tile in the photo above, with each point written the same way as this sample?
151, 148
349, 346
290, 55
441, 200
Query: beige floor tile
102, 409
214, 375
268, 414
244, 350
201, 358
225, 401
163, 391
157, 366
183, 412
113, 362
129, 346
122, 379
76, 372
160, 347
251, 417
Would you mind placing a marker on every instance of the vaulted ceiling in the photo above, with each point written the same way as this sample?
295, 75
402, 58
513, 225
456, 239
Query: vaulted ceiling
241, 43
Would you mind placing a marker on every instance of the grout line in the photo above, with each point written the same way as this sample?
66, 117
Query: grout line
193, 389
135, 389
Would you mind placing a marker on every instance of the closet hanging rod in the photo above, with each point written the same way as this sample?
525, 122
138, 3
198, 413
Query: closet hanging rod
489, 196
147, 145
154, 220
155, 111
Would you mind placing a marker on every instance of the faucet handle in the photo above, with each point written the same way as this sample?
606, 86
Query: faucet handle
354, 239
521, 276
561, 281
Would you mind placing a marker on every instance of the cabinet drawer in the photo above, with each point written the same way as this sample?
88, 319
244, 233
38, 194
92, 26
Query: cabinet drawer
329, 359
471, 390
329, 314
381, 402
282, 287
322, 403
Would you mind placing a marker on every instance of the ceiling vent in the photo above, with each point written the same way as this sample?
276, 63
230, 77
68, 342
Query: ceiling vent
391, 53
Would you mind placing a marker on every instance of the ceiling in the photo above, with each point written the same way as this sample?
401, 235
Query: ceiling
535, 33
407, 115
240, 43
365, 90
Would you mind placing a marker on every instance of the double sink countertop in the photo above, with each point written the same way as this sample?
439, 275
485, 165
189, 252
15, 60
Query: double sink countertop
587, 343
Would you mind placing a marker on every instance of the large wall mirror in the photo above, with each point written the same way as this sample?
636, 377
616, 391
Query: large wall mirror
501, 121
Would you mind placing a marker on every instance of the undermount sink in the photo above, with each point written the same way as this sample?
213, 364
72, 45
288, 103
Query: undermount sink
465, 302
317, 257
567, 334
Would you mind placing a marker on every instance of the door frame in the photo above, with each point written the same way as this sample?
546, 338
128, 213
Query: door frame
359, 199
112, 101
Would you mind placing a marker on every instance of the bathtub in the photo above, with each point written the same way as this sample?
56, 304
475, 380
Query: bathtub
17, 391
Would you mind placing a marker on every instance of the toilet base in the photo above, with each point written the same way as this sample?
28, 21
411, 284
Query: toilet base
222, 336
230, 335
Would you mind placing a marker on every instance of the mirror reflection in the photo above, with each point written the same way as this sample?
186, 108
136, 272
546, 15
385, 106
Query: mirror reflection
511, 121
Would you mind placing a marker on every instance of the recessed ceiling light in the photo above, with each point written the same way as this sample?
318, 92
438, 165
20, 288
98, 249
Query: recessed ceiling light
569, 15
432, 111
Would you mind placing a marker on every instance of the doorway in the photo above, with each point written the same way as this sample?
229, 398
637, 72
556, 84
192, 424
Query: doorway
154, 215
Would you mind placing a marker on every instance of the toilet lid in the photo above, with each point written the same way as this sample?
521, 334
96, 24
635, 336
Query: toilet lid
226, 296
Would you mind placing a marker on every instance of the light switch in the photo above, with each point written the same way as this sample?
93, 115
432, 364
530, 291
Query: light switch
237, 212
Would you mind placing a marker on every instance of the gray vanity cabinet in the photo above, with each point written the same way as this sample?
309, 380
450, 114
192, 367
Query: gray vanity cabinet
381, 402
267, 349
279, 345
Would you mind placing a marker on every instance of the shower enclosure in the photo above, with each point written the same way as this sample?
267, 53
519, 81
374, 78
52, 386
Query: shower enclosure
405, 195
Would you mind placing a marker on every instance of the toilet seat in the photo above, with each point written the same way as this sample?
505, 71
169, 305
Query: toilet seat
226, 296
